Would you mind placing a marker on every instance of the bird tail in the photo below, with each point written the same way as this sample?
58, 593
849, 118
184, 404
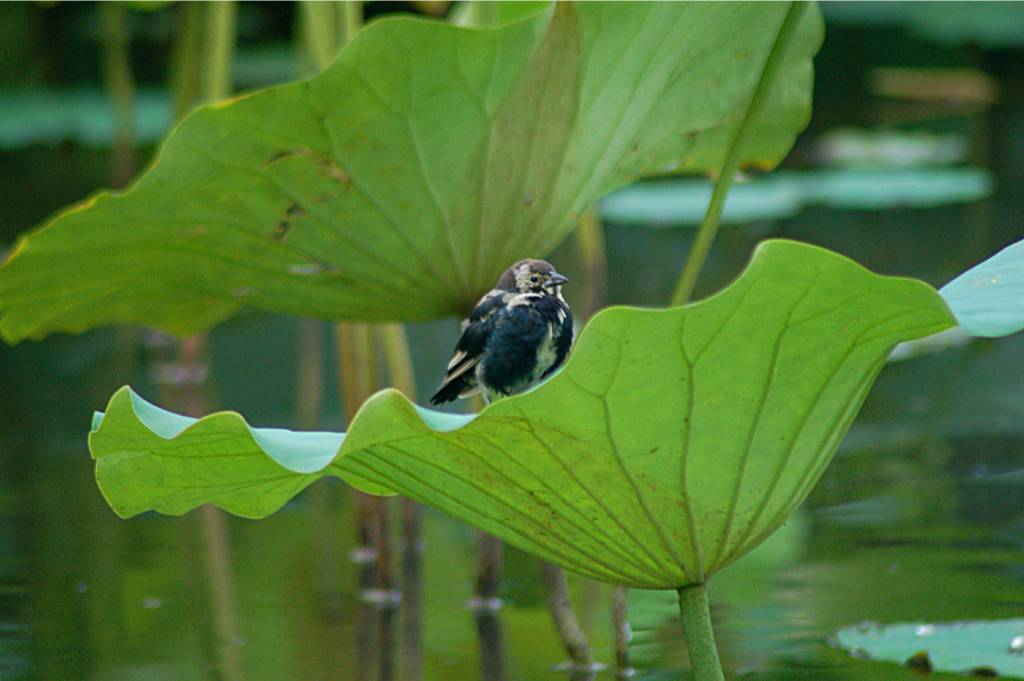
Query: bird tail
450, 391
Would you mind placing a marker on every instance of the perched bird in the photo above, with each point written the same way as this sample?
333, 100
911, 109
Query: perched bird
517, 335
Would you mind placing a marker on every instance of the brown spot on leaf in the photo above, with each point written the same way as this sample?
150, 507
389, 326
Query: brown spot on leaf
280, 230
285, 225
287, 153
337, 173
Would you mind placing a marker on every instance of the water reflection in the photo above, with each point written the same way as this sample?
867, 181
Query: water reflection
139, 597
492, 644
412, 591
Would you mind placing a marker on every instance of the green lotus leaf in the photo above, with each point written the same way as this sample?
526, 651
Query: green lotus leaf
400, 182
964, 647
672, 442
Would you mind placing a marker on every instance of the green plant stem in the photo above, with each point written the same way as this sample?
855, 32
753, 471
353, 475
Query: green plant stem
592, 253
483, 13
358, 378
117, 79
700, 638
318, 26
398, 358
357, 364
329, 26
350, 20
184, 76
712, 218
218, 50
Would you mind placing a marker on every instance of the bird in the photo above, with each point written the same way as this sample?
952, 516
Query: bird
517, 335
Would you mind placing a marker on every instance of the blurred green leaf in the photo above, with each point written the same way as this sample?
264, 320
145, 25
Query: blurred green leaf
673, 442
400, 182
951, 647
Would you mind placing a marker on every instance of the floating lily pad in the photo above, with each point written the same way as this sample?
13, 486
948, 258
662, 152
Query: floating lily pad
952, 647
682, 203
82, 116
885, 148
991, 24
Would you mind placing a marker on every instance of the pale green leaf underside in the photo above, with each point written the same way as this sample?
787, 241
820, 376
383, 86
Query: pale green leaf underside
988, 299
401, 182
671, 443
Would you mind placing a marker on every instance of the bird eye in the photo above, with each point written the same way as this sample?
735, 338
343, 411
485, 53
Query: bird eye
534, 278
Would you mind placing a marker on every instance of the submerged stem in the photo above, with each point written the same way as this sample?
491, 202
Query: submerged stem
709, 225
622, 631
568, 625
700, 638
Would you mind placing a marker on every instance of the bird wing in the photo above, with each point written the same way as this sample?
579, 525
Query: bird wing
459, 379
564, 339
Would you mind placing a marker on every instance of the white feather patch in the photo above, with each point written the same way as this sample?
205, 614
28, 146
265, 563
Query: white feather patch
458, 357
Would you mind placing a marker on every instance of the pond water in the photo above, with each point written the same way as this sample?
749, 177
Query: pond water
920, 518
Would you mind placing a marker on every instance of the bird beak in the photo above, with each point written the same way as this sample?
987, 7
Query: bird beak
556, 279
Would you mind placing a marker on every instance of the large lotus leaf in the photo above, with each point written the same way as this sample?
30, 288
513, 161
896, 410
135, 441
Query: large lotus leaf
401, 181
672, 442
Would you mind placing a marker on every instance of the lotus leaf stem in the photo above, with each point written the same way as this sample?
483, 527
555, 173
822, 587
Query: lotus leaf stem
218, 50
350, 20
700, 637
712, 218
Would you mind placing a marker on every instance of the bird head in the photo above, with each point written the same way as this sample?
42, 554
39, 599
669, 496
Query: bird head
532, 276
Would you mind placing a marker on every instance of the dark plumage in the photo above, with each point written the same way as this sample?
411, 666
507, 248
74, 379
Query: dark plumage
517, 335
